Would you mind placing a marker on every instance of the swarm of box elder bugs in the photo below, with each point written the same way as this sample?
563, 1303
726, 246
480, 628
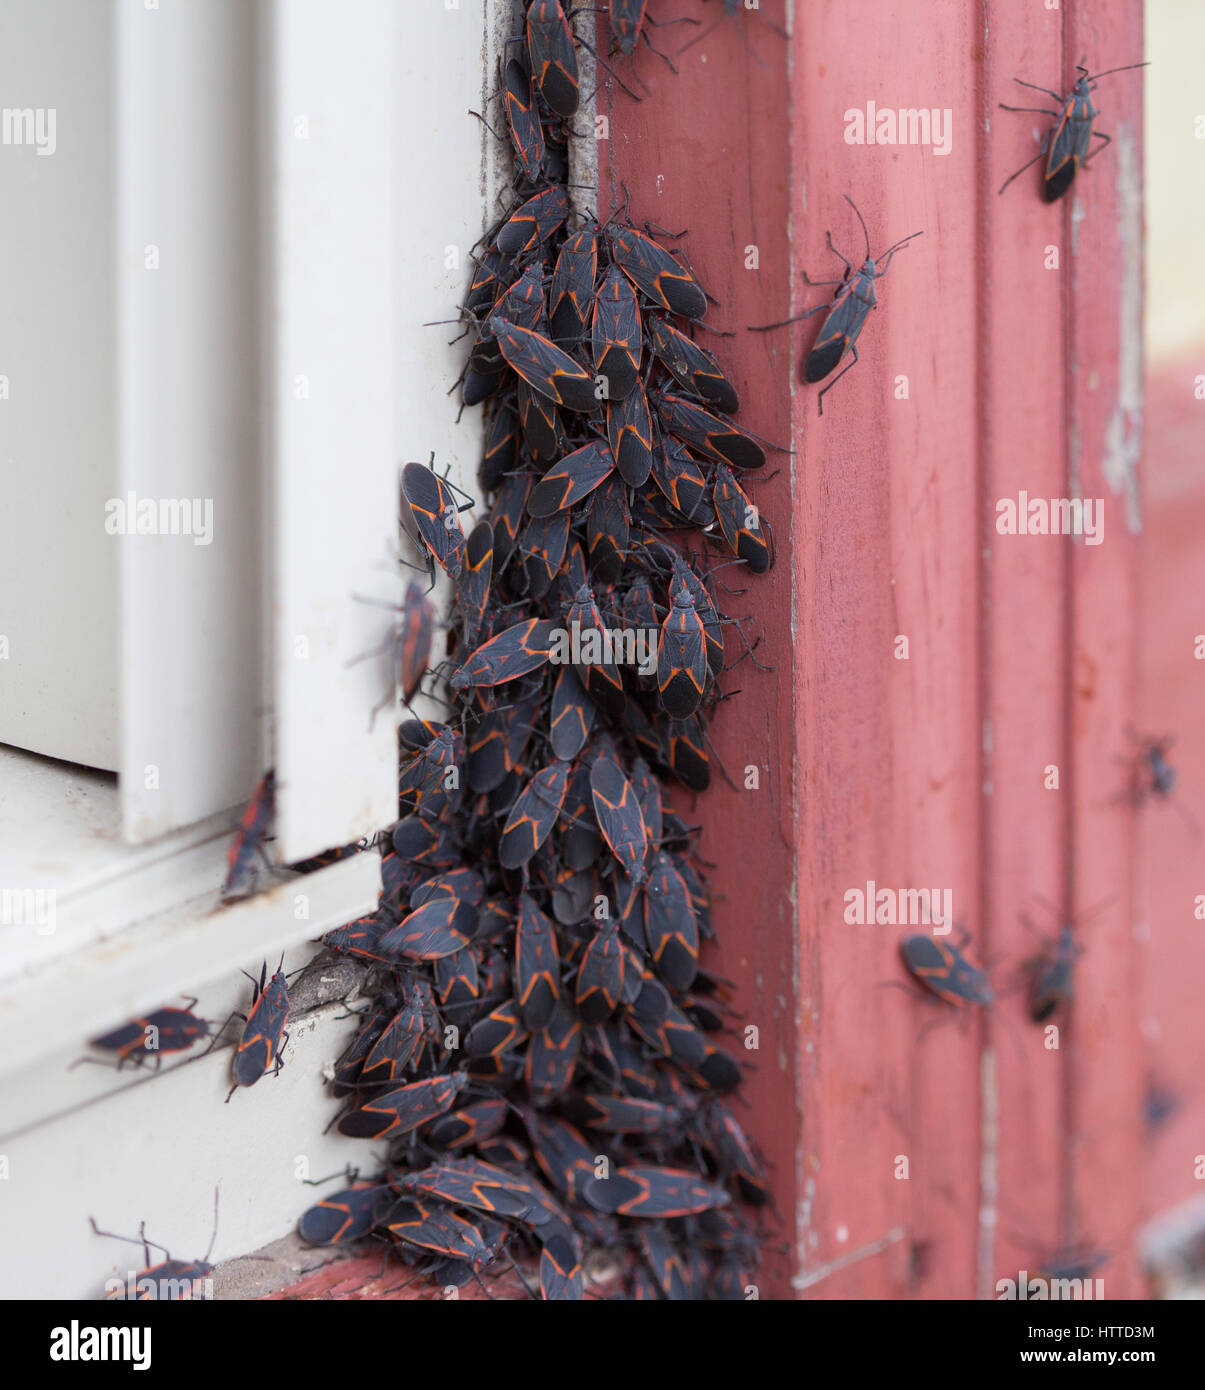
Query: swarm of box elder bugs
543, 1060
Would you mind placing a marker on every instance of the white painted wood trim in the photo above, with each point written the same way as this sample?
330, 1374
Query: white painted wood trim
188, 410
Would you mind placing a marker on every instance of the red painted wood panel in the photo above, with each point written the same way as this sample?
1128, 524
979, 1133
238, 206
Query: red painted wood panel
930, 770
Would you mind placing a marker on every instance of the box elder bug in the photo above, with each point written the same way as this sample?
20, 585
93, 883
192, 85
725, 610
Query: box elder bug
263, 1037
853, 300
169, 1279
1068, 140
164, 1030
942, 968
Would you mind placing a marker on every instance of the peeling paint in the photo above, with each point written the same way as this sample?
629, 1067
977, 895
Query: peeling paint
1077, 216
864, 1252
989, 1121
583, 149
1123, 433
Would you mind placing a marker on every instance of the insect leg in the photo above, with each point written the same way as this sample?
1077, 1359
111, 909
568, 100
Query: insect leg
848, 267
1028, 165
807, 313
1099, 135
1034, 87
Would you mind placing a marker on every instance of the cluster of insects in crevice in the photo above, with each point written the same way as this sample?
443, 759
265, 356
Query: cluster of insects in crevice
544, 1051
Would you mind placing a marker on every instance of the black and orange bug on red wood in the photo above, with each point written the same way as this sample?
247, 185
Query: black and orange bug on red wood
708, 434
942, 968
853, 300
738, 1163
740, 522
656, 273
669, 925
1068, 140
630, 432
608, 530
691, 366
553, 59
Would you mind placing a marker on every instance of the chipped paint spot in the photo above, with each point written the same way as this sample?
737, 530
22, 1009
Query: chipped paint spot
1123, 433
1077, 216
583, 149
864, 1252
989, 1132
842, 1234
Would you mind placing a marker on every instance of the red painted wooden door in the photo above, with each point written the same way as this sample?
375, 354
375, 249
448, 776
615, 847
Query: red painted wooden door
914, 1160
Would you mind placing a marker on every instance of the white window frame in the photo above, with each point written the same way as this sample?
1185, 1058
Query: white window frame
330, 275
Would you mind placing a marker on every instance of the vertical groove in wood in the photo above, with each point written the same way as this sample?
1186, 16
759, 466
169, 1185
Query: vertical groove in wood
1105, 1137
